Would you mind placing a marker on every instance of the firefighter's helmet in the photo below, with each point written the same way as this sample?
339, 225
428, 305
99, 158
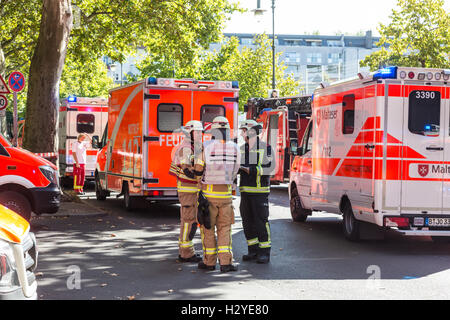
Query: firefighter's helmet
220, 123
193, 125
248, 124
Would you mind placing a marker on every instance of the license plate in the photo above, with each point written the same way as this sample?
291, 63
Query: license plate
438, 222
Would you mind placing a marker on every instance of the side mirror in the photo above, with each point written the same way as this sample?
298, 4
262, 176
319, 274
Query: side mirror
294, 148
95, 142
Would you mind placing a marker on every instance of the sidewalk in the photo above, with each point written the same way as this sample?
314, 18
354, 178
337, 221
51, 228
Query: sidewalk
74, 206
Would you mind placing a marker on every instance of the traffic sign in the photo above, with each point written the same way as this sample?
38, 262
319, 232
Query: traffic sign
3, 102
16, 81
3, 87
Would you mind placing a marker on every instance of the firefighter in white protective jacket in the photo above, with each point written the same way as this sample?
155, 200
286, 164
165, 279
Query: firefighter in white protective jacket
187, 166
222, 159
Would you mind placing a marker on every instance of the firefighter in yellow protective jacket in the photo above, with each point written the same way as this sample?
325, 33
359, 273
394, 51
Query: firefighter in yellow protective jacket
222, 159
187, 166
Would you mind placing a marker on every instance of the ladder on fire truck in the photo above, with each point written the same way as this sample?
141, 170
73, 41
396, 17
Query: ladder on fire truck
297, 106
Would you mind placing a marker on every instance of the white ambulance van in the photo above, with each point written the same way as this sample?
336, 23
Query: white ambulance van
80, 115
377, 151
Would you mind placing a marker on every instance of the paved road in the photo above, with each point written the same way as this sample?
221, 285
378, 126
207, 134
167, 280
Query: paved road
122, 255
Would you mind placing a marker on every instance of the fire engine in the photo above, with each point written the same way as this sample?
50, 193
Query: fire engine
143, 117
80, 115
377, 151
283, 121
28, 183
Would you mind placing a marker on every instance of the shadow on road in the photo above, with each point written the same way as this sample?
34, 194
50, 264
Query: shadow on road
133, 254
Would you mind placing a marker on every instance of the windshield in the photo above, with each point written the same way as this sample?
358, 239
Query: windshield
3, 141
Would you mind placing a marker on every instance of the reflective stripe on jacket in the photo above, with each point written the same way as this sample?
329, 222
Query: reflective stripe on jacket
260, 163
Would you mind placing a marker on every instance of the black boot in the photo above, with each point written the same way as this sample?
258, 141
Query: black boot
252, 253
203, 266
194, 258
228, 268
263, 256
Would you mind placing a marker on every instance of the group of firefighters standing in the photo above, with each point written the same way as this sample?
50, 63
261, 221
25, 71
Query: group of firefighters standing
209, 170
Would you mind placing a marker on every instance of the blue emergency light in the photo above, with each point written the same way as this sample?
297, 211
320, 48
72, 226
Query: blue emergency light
235, 84
72, 98
386, 73
151, 80
427, 127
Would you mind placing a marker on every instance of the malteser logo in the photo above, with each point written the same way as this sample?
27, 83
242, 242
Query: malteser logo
423, 169
325, 115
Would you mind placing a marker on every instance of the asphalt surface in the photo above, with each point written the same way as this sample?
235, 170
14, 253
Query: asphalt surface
117, 254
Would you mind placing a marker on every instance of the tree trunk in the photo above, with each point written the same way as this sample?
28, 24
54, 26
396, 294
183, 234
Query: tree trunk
42, 112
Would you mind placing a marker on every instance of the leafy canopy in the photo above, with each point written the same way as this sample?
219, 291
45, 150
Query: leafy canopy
418, 36
251, 66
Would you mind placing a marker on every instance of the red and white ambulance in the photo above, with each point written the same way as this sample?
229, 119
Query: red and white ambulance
143, 117
377, 150
80, 115
283, 121
28, 183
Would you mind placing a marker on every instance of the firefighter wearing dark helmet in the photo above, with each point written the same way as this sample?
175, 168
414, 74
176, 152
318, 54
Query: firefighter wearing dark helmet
256, 168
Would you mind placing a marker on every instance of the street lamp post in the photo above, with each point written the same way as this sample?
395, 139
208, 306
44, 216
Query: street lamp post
258, 12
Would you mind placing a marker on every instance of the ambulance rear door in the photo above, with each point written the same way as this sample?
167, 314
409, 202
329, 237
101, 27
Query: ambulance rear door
167, 109
424, 137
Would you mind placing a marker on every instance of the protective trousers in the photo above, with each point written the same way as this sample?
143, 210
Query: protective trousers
188, 221
222, 217
255, 220
78, 178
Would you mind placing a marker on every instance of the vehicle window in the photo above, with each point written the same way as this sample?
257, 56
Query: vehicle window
3, 151
424, 112
85, 123
348, 112
308, 141
170, 117
209, 112
272, 135
105, 136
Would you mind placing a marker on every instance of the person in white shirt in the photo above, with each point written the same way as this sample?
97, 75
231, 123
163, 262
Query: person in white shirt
79, 156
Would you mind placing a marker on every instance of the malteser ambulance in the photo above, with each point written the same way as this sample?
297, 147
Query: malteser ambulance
141, 134
80, 115
377, 150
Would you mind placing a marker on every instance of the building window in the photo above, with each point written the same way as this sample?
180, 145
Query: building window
348, 111
292, 42
334, 57
170, 117
85, 123
334, 43
247, 41
292, 57
314, 43
314, 58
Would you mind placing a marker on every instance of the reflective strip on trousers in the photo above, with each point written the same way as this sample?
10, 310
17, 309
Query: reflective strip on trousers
268, 243
181, 188
252, 242
255, 189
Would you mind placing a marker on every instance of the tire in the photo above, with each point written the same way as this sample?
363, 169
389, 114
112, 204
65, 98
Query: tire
298, 213
100, 194
350, 224
127, 199
16, 202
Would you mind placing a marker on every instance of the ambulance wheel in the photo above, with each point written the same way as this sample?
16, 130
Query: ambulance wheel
298, 213
17, 203
100, 194
350, 224
127, 200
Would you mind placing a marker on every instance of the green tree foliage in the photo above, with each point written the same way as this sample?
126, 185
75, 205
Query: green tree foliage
88, 79
418, 36
251, 66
